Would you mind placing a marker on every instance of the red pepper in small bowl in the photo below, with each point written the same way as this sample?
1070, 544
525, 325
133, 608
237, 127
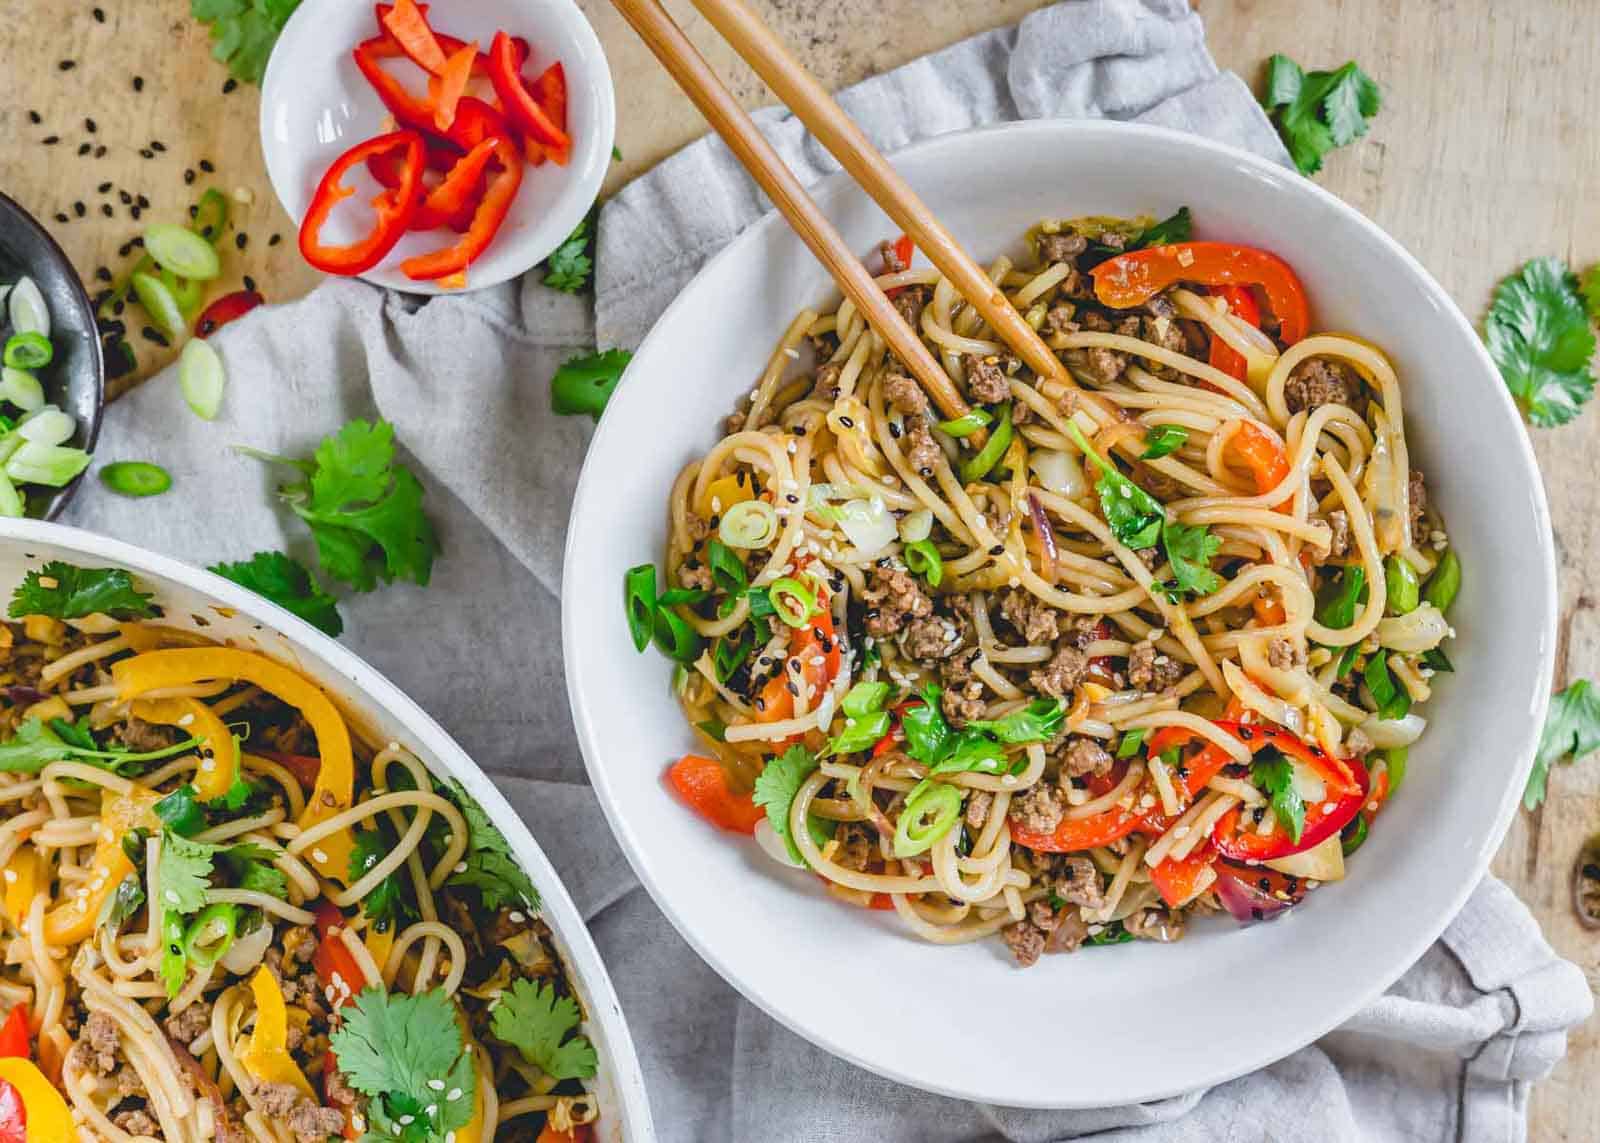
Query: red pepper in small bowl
393, 209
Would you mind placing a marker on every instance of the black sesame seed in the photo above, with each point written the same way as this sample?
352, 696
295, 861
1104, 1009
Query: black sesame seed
138, 83
67, 65
998, 550
85, 148
146, 153
188, 176
99, 15
100, 152
142, 201
105, 209
205, 165
249, 283
127, 199
151, 333
157, 145
113, 328
102, 273
139, 242
125, 249
229, 86
35, 118
50, 140
90, 126
60, 217
894, 430
194, 211
792, 498
274, 240
241, 240
847, 422
135, 211
117, 307
79, 209
104, 188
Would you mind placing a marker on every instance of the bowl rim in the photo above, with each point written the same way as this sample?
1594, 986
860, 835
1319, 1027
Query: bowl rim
572, 205
373, 687
589, 492
81, 298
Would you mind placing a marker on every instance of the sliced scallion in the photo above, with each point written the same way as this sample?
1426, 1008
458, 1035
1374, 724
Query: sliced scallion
864, 698
639, 597
11, 501
48, 426
977, 467
792, 601
182, 251
1445, 583
677, 640
967, 424
727, 570
159, 303
26, 306
211, 215
29, 350
923, 559
1401, 581
53, 465
138, 478
749, 524
929, 813
22, 389
187, 292
201, 378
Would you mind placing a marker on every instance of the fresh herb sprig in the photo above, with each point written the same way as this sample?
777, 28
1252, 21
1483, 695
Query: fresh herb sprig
542, 1027
1571, 731
1539, 335
583, 384
406, 1055
1317, 112
570, 267
63, 591
287, 582
243, 32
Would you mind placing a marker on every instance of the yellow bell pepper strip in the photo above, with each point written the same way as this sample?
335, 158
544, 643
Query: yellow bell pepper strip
73, 920
198, 720
22, 882
265, 1052
49, 1118
378, 943
179, 666
724, 492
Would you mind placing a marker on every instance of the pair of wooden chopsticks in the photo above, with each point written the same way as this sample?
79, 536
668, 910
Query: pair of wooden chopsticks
754, 41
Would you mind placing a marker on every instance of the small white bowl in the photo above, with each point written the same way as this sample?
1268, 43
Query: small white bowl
315, 105
1105, 1026
198, 601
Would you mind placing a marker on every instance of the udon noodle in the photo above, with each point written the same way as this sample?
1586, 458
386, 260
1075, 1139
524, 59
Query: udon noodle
229, 915
1089, 659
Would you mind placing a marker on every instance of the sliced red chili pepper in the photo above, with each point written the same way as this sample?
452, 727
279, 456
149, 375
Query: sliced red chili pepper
498, 195
393, 209
1345, 792
14, 1033
1178, 880
1134, 278
521, 108
333, 960
904, 251
456, 198
1242, 305
225, 309
408, 26
702, 783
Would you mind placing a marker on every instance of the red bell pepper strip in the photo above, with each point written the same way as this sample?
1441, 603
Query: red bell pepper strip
904, 251
1178, 880
225, 309
408, 27
806, 644
1345, 792
498, 195
452, 85
703, 784
1242, 305
333, 961
13, 1114
550, 93
447, 44
474, 121
304, 767
1134, 278
1264, 457
455, 200
14, 1033
521, 108
393, 208
580, 1133
1074, 834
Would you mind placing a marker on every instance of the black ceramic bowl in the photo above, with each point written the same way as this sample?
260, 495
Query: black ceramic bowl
75, 380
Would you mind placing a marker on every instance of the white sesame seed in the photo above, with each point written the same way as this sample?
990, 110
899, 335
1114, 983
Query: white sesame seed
517, 916
406, 1120
1328, 807
318, 856
716, 504
791, 351
186, 720
452, 1095
436, 1084
171, 896
11, 876
461, 867
1096, 930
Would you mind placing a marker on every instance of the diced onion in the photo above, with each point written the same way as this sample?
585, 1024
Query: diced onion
1059, 472
750, 524
916, 525
1322, 862
869, 524
1414, 632
1390, 733
21, 388
28, 312
772, 845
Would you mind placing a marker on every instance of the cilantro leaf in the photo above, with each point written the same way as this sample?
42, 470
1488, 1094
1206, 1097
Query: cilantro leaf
365, 511
1190, 551
570, 266
180, 811
1590, 289
37, 744
492, 867
1162, 440
1036, 722
1571, 730
776, 786
385, 905
1178, 228
243, 32
287, 582
1135, 517
534, 1020
584, 383
63, 591
183, 873
1538, 334
1319, 111
393, 1047
1275, 774
927, 733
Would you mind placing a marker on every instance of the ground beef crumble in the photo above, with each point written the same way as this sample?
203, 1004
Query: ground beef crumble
1320, 381
1151, 670
1031, 617
986, 378
1062, 674
905, 394
893, 600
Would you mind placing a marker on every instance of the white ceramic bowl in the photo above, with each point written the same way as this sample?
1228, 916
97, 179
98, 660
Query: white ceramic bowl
1138, 1021
220, 610
315, 105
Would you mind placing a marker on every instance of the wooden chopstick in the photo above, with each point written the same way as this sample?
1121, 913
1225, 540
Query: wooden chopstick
681, 59
796, 87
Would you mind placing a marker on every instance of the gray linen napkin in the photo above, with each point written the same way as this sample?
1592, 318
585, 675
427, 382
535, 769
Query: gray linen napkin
1448, 1054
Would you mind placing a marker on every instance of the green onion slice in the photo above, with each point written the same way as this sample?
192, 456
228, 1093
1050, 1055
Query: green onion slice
159, 303
52, 465
729, 653
749, 524
29, 350
967, 424
792, 601
923, 559
1445, 583
639, 590
977, 467
48, 426
182, 251
1403, 589
210, 934
1354, 834
211, 215
863, 699
135, 478
1129, 746
27, 308
727, 569
862, 733
201, 378
926, 817
187, 292
677, 640
12, 503
22, 389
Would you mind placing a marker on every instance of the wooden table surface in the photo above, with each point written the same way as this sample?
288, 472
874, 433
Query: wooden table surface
1483, 157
